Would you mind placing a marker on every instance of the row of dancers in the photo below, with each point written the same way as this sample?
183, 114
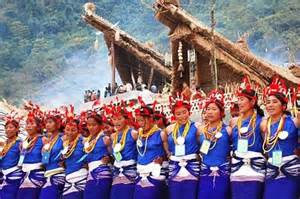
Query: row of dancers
132, 155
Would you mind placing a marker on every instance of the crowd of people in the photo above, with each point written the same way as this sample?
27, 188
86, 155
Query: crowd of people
91, 95
138, 86
117, 151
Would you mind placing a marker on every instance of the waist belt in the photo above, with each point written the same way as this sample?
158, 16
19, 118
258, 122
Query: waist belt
221, 170
192, 165
290, 169
256, 163
128, 171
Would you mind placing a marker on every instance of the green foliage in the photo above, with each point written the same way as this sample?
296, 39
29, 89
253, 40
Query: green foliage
37, 37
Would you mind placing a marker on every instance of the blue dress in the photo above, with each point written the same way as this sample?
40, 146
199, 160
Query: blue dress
214, 174
284, 182
76, 176
100, 178
124, 176
257, 146
251, 188
55, 183
150, 186
185, 186
34, 180
12, 174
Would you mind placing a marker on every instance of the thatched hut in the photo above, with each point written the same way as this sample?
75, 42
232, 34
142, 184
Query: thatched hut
130, 57
233, 62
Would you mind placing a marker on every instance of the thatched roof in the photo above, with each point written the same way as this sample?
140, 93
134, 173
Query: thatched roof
131, 55
185, 27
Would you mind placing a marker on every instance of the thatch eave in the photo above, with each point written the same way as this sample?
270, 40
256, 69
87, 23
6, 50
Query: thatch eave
141, 51
245, 61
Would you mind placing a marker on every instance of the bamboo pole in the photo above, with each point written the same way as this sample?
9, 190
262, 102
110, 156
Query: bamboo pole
150, 78
175, 80
213, 61
113, 68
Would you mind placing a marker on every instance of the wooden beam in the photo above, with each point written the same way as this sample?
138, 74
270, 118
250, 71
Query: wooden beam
130, 44
204, 47
248, 59
145, 58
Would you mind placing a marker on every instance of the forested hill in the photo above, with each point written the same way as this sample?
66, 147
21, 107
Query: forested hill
37, 37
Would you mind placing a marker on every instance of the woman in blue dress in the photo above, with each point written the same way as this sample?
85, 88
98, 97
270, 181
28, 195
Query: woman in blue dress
280, 143
183, 149
125, 155
97, 147
76, 174
214, 151
151, 182
248, 163
10, 153
51, 154
31, 160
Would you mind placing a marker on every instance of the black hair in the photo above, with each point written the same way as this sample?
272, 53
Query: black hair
221, 107
13, 122
58, 121
282, 100
146, 111
96, 117
76, 121
39, 123
157, 116
251, 94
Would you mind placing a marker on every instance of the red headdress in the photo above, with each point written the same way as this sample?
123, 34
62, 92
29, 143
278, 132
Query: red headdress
217, 97
107, 120
69, 116
294, 93
179, 101
245, 89
56, 115
35, 114
118, 109
157, 114
12, 118
277, 87
143, 109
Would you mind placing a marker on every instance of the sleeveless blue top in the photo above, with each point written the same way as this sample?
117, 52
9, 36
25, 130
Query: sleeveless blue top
288, 145
71, 163
98, 152
12, 156
191, 143
35, 154
258, 142
129, 151
55, 155
154, 149
217, 155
